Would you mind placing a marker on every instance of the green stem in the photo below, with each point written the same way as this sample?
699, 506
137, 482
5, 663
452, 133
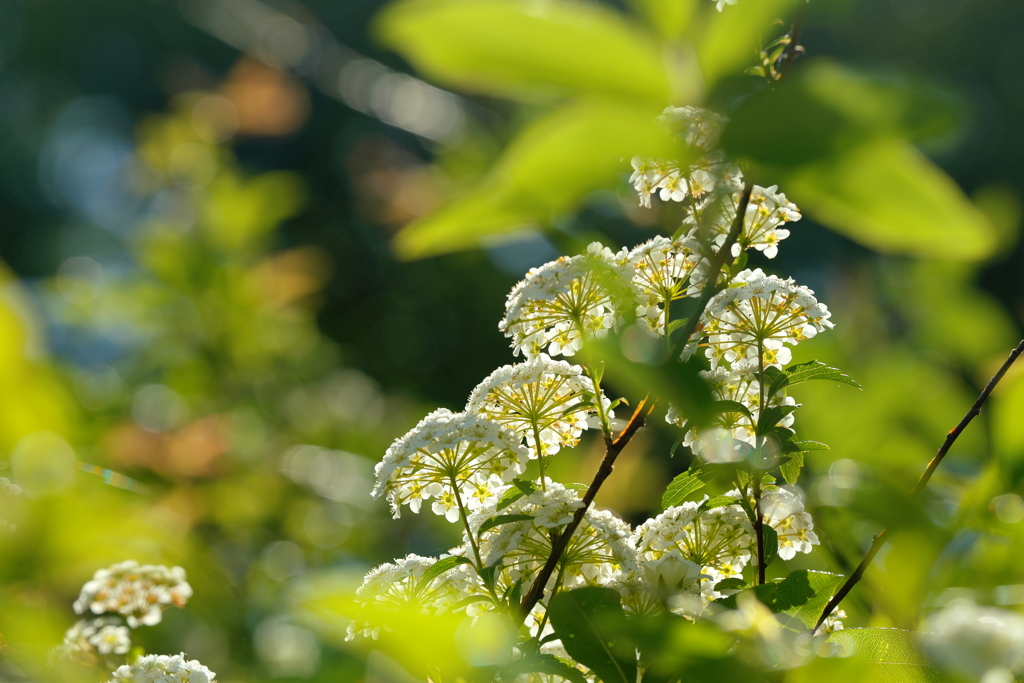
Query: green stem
472, 540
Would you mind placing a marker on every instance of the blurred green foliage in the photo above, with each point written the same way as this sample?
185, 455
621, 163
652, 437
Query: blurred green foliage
170, 393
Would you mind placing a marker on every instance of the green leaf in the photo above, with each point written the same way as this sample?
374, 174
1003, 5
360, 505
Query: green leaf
791, 468
822, 110
771, 544
685, 484
546, 171
592, 626
502, 519
892, 654
520, 49
814, 370
519, 489
721, 407
440, 567
543, 664
802, 595
733, 583
717, 502
770, 417
891, 198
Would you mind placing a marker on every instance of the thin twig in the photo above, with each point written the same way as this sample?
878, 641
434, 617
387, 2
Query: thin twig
793, 50
612, 451
717, 262
880, 539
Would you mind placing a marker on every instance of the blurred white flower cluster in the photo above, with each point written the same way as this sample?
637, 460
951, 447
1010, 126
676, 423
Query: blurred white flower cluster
138, 594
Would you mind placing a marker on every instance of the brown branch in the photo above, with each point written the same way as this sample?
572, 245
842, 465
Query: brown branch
880, 539
612, 450
794, 49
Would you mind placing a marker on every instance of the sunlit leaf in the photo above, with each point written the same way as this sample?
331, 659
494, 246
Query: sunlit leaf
525, 49
440, 567
890, 197
892, 655
546, 171
686, 483
592, 626
502, 519
802, 595
543, 664
805, 372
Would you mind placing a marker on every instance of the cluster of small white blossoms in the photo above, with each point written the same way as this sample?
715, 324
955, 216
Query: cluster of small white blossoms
757, 317
461, 460
985, 643
163, 669
739, 384
767, 211
597, 554
139, 593
700, 129
104, 635
665, 270
398, 585
782, 508
8, 490
688, 549
548, 402
563, 302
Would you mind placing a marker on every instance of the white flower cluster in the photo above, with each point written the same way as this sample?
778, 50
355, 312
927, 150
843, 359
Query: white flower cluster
564, 302
88, 637
739, 384
767, 210
756, 318
700, 129
163, 669
398, 585
717, 541
985, 643
665, 271
783, 509
445, 455
547, 403
140, 593
598, 553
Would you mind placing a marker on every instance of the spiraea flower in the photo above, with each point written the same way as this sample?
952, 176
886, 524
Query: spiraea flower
783, 510
564, 302
720, 4
985, 643
91, 637
164, 669
665, 271
673, 180
834, 622
766, 212
718, 540
458, 459
139, 593
739, 384
597, 554
397, 586
761, 312
547, 403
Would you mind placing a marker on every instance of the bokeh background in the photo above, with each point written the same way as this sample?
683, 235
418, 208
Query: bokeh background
207, 340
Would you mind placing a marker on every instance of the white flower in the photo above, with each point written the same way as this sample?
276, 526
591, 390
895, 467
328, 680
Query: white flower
103, 635
597, 554
163, 669
834, 622
978, 641
542, 401
718, 540
457, 459
720, 4
674, 181
761, 312
783, 510
140, 593
739, 384
665, 271
766, 212
564, 302
397, 586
